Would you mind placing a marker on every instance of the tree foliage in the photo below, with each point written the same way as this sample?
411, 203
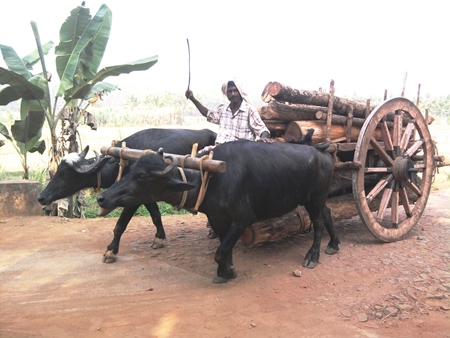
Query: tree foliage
83, 41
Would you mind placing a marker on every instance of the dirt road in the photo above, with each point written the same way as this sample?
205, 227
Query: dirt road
53, 282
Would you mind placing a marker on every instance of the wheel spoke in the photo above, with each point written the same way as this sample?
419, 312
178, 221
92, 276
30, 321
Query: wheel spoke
397, 129
406, 136
378, 170
381, 152
414, 148
384, 203
415, 189
394, 209
386, 136
405, 201
378, 187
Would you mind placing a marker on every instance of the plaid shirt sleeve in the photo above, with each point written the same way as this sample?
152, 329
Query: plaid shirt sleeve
256, 123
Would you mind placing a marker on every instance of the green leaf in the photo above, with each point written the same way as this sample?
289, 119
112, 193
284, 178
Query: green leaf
4, 131
7, 95
72, 76
14, 62
31, 59
101, 87
39, 146
69, 34
139, 65
92, 56
19, 86
28, 131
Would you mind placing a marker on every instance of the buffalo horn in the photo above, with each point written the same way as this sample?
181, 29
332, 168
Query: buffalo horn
169, 169
84, 152
88, 168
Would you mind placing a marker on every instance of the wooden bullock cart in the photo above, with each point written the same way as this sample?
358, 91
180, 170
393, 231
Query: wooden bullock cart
385, 159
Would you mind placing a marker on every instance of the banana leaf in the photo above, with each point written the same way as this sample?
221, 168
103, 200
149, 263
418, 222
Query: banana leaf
75, 70
28, 131
4, 131
31, 59
14, 62
100, 87
139, 65
19, 87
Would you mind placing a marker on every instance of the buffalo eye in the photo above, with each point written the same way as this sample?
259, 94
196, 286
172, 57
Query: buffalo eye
141, 176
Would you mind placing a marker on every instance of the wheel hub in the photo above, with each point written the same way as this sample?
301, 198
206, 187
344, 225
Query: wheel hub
401, 167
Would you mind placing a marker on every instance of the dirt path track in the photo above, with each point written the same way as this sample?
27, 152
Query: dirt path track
53, 283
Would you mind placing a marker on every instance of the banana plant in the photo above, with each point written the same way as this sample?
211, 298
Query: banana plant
83, 40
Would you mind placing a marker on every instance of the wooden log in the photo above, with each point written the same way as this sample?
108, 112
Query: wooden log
276, 128
285, 93
265, 96
276, 110
297, 129
294, 222
342, 120
339, 119
189, 162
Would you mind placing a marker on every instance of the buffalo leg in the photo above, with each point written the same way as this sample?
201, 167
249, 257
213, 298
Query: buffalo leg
160, 236
224, 254
316, 215
333, 244
110, 256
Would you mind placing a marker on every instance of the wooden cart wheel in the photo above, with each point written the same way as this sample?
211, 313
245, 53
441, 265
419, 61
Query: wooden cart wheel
403, 159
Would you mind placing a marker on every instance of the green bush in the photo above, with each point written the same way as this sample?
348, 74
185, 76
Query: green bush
91, 210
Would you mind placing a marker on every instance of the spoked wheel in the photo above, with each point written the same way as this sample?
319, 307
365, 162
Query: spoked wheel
400, 151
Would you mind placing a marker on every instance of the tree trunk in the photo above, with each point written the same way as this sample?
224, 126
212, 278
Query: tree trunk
290, 112
297, 129
276, 128
285, 93
294, 222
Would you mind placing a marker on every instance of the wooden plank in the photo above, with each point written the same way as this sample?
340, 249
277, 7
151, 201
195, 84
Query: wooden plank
189, 162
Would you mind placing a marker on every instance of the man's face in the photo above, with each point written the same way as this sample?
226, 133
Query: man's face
233, 93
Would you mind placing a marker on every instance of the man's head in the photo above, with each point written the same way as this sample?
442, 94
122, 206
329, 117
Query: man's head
234, 91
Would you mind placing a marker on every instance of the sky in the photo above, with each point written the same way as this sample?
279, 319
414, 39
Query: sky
366, 47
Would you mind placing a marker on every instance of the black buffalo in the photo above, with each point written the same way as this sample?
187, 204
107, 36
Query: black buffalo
75, 173
261, 181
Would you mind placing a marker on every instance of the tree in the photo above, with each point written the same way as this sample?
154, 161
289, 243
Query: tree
83, 41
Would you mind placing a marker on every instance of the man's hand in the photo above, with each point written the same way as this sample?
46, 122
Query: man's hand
266, 140
189, 94
265, 137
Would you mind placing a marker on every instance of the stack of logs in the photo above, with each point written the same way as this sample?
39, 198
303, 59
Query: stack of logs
290, 112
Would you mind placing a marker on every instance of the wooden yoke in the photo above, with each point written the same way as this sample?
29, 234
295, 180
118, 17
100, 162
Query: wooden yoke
186, 160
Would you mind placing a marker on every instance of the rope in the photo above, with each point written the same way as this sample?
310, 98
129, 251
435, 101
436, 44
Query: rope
185, 193
99, 182
205, 180
122, 163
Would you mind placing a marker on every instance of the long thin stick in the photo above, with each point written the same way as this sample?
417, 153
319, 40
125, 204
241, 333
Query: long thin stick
189, 60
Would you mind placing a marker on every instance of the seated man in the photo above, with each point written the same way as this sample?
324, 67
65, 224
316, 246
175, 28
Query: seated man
238, 120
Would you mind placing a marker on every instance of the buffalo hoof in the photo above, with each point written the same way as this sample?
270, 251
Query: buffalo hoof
212, 234
309, 264
220, 279
109, 257
158, 243
330, 250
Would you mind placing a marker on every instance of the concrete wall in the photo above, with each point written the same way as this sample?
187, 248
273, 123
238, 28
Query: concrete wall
19, 198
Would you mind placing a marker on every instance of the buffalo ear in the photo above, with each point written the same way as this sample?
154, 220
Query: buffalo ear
177, 185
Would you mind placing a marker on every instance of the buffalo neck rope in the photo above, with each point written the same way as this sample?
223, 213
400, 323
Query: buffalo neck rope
122, 164
205, 176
